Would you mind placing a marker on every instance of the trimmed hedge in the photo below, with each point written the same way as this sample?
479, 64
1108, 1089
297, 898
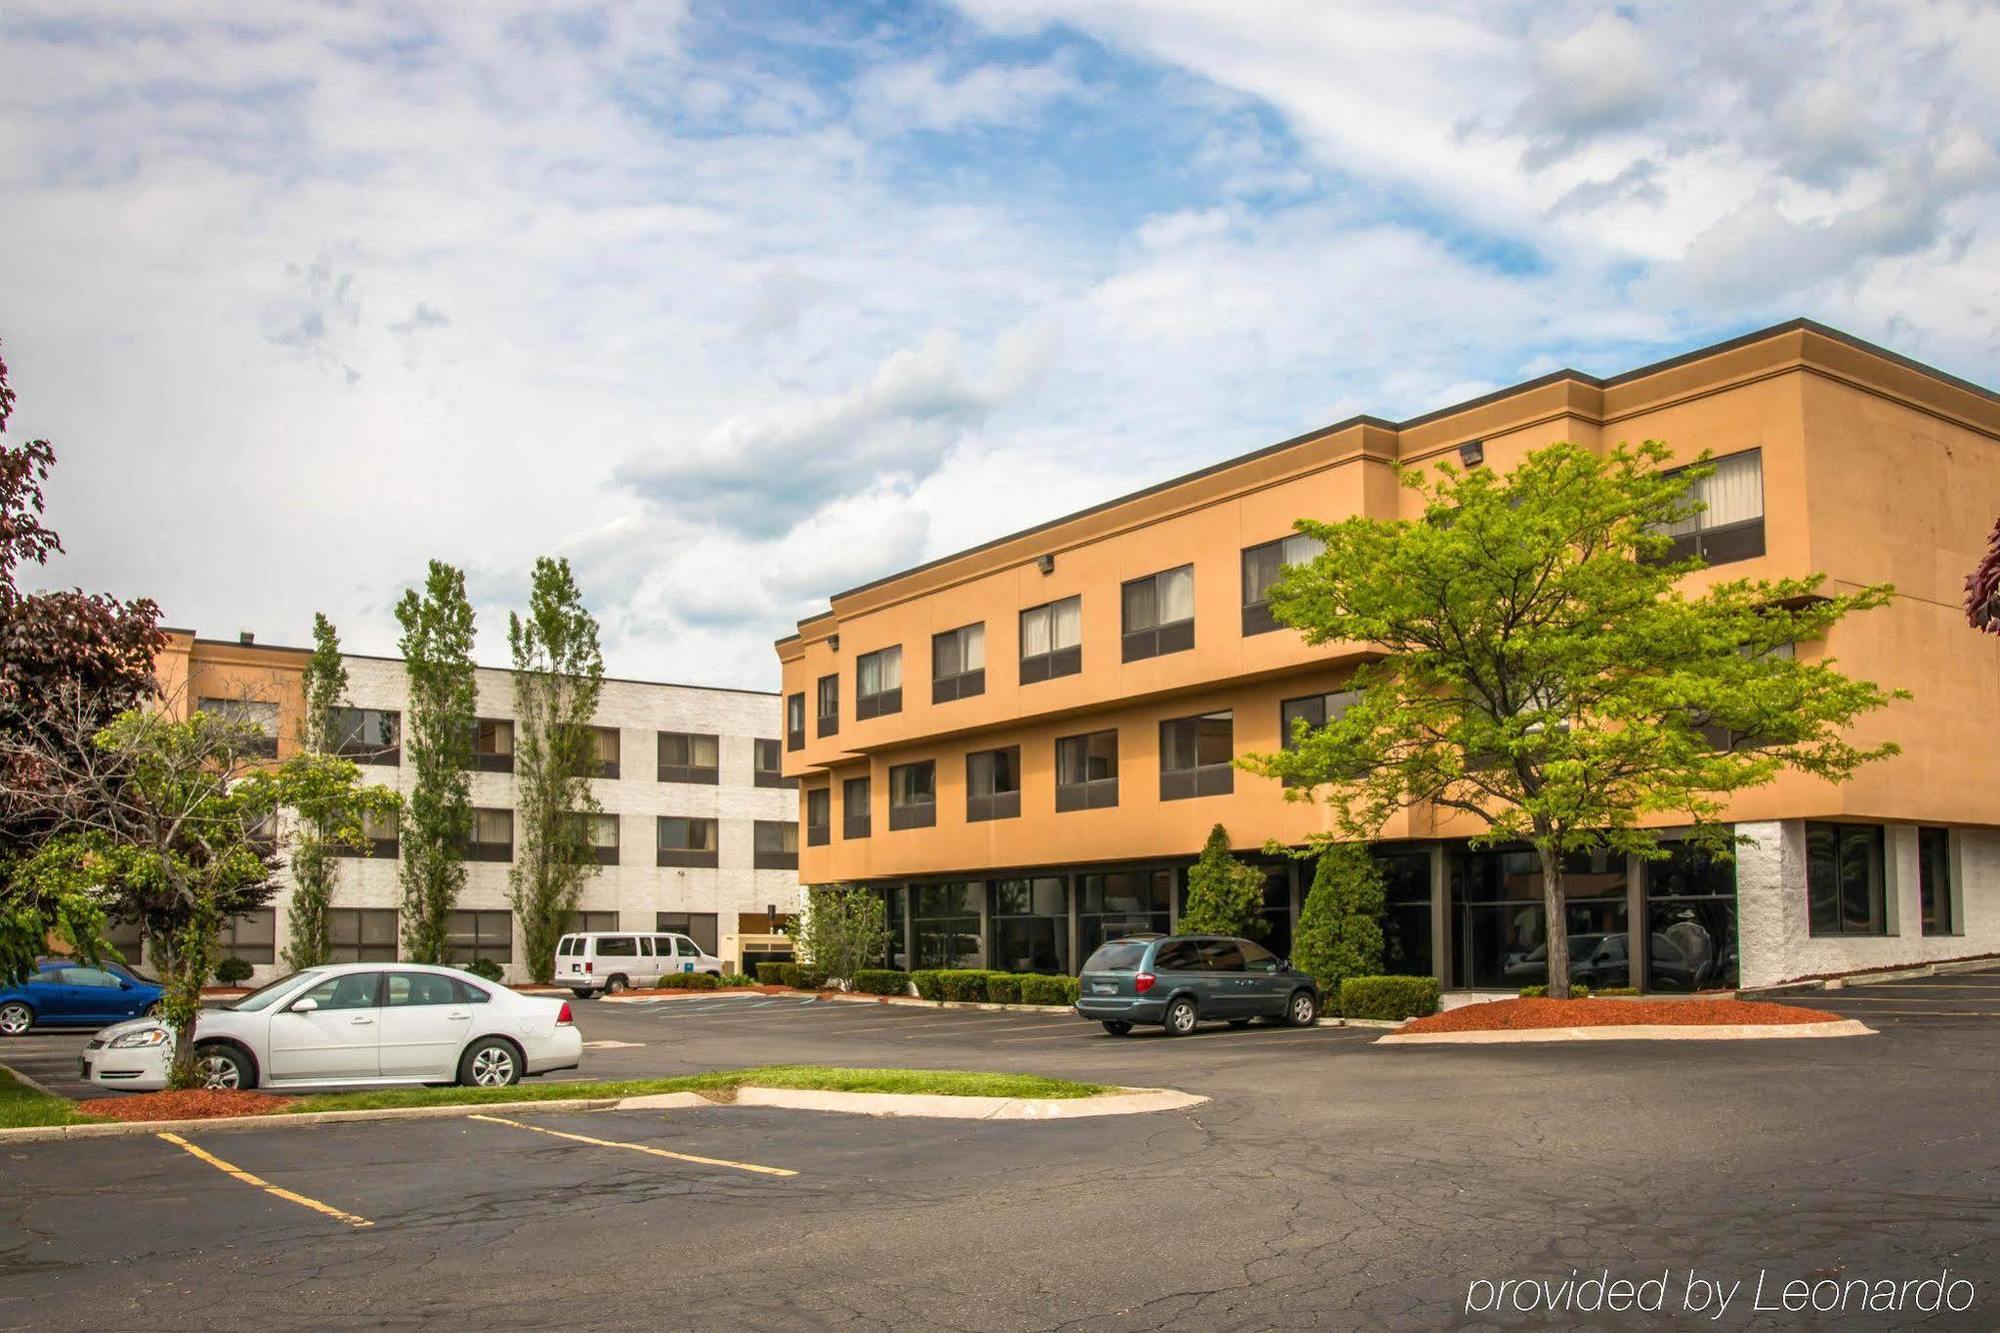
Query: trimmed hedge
689, 981
801, 976
728, 979
927, 982
969, 985
1603, 991
483, 968
235, 971
965, 984
1003, 987
771, 974
881, 981
1050, 990
1577, 991
1388, 998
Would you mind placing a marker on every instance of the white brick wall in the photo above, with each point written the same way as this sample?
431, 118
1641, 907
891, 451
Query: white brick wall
636, 888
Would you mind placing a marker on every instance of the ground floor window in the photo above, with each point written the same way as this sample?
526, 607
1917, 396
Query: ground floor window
1406, 913
1934, 881
470, 936
362, 934
1030, 923
1277, 936
945, 921
697, 926
1690, 921
253, 937
1122, 903
1844, 879
896, 917
1499, 934
579, 922
128, 938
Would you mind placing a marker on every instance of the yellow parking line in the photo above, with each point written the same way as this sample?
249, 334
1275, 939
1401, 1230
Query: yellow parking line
231, 1169
639, 1147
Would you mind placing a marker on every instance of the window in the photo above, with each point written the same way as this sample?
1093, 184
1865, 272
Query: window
945, 921
1934, 881
686, 842
1159, 614
697, 926
582, 922
774, 843
402, 989
1087, 771
366, 735
913, 795
604, 747
493, 745
958, 663
826, 704
1052, 640
600, 833
355, 990
127, 940
1261, 567
1030, 924
1844, 879
492, 835
378, 834
769, 764
795, 722
253, 937
261, 718
1194, 757
878, 683
89, 976
1112, 906
1731, 527
854, 808
470, 936
619, 946
993, 784
688, 758
1315, 710
1690, 921
362, 934
819, 818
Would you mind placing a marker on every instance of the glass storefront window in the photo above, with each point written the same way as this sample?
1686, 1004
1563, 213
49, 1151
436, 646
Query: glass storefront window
1277, 936
896, 918
1406, 914
1030, 924
1499, 926
1690, 921
1124, 903
945, 921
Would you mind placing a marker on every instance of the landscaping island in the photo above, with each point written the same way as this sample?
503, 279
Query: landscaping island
1519, 1015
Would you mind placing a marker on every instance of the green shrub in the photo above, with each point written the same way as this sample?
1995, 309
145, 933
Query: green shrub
1003, 987
483, 968
1577, 991
689, 981
771, 974
1340, 926
728, 979
1225, 897
1049, 990
1391, 998
1603, 991
810, 977
234, 972
929, 983
964, 984
881, 981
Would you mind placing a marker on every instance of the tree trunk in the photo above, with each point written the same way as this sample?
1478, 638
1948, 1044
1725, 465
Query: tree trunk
1556, 926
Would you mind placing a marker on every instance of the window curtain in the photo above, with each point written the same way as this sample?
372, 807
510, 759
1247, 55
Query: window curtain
1035, 632
1066, 623
972, 645
1177, 595
1735, 492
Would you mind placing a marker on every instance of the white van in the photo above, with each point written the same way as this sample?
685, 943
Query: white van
614, 960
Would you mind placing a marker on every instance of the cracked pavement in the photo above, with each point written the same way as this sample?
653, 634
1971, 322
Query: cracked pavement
1330, 1184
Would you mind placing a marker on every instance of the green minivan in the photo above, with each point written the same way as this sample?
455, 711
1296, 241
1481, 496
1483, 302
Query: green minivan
1178, 981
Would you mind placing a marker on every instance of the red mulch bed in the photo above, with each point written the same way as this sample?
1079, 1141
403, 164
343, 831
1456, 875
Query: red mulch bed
1515, 1015
193, 1104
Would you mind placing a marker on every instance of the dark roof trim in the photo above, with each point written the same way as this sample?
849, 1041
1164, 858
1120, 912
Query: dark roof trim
1470, 404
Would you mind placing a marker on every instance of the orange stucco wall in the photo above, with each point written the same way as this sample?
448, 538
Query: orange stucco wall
192, 669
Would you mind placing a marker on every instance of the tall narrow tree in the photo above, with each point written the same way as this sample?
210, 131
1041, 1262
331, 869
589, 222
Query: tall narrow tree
315, 855
436, 645
558, 679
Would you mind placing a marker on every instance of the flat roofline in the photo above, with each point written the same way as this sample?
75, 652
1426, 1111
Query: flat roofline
384, 657
1799, 325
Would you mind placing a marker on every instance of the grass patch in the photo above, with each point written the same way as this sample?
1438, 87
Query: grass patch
947, 1082
21, 1106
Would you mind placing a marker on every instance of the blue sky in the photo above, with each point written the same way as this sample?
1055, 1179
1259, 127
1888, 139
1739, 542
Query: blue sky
739, 305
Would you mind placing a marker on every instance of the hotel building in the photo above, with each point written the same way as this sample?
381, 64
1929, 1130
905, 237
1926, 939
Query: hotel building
1023, 745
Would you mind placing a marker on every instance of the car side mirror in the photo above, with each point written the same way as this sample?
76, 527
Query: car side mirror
124, 985
305, 1006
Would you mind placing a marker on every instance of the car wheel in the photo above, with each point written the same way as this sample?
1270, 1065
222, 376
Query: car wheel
16, 1019
1302, 1010
153, 1010
223, 1068
1116, 1027
1239, 1022
491, 1063
614, 985
580, 994
1180, 1019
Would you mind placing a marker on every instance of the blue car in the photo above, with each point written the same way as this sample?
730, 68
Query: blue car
64, 993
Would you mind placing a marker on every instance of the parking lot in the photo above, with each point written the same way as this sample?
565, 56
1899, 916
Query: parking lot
1329, 1183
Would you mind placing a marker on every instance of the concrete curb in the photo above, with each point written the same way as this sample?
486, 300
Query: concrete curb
1127, 1101
114, 1128
1846, 1027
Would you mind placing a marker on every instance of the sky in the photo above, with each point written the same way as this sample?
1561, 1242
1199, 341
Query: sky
740, 305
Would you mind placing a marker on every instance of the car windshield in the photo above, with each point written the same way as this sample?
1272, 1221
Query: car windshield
1117, 956
262, 997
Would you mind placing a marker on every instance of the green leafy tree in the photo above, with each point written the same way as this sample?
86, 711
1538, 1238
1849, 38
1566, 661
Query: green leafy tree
842, 931
558, 679
436, 646
316, 855
1543, 672
1225, 897
1340, 924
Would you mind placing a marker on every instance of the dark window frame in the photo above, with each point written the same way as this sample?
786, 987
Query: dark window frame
851, 826
775, 858
1873, 841
1257, 615
700, 775
913, 814
1160, 637
699, 858
795, 721
701, 927
1091, 793
473, 850
1729, 542
497, 947
491, 761
965, 683
819, 832
997, 804
264, 745
884, 702
1937, 904
361, 950
826, 696
1057, 661
1184, 784
229, 945
1323, 700
388, 756
774, 775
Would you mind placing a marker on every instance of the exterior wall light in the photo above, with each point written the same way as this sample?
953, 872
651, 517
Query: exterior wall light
1472, 453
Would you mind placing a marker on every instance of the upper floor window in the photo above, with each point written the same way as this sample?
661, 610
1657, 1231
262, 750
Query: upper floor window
913, 795
826, 696
379, 838
819, 816
775, 843
686, 842
993, 784
795, 721
1845, 892
259, 718
878, 683
1261, 567
1087, 771
1731, 527
685, 757
1315, 710
1195, 755
1052, 640
492, 835
770, 765
600, 834
493, 745
366, 735
1159, 613
604, 749
958, 663
854, 808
